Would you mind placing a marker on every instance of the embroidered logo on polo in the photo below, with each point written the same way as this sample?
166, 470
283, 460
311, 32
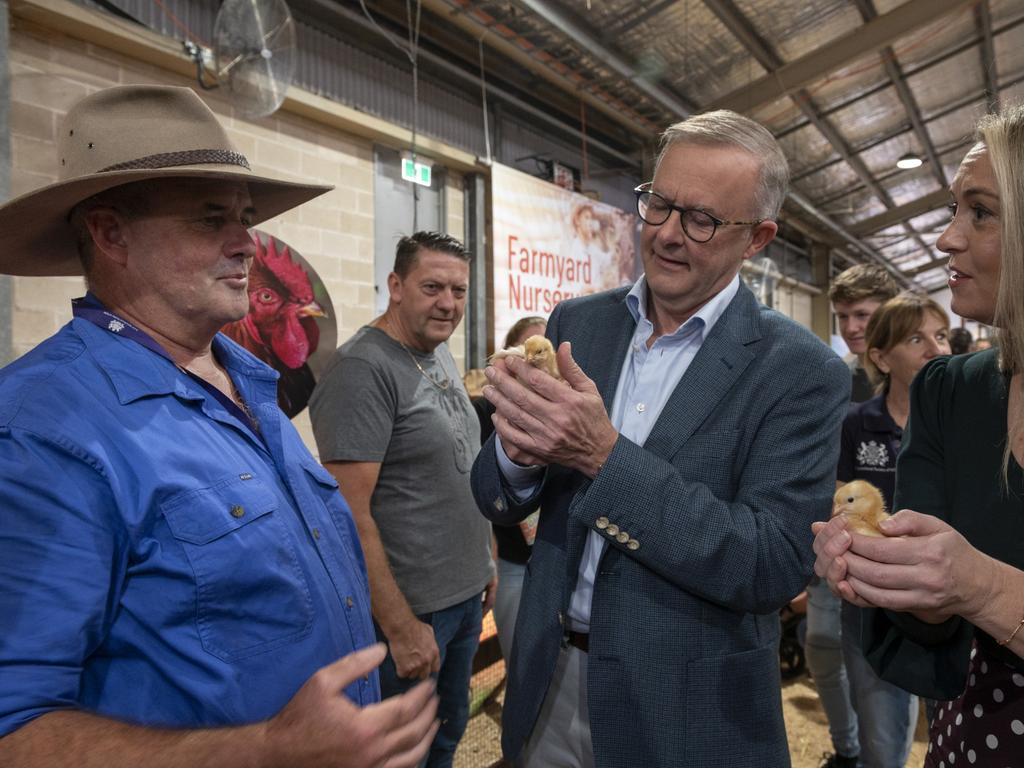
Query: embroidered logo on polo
115, 325
872, 454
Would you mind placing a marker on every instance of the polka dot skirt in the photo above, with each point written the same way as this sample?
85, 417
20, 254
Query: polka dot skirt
985, 726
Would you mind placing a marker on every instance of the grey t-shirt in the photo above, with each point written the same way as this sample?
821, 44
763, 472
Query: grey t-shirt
373, 404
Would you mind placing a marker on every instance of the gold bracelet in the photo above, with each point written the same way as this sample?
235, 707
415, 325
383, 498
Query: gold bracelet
1013, 634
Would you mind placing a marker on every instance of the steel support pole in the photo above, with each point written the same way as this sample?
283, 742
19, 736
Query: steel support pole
6, 287
478, 326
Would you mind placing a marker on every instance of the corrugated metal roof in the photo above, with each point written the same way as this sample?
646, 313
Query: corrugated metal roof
842, 123
708, 50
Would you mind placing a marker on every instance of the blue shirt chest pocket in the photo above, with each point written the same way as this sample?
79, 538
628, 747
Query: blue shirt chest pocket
326, 489
251, 594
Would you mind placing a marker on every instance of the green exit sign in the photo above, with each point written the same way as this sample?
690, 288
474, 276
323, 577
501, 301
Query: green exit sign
418, 173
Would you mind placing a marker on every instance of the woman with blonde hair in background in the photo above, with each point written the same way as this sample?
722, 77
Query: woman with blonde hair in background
903, 335
944, 585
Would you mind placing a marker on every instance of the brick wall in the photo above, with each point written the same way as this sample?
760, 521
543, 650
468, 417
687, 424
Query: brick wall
50, 72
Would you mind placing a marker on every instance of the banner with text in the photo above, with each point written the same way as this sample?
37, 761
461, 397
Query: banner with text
552, 244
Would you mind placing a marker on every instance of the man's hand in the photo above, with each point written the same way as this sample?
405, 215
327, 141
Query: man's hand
412, 642
320, 726
542, 421
414, 650
490, 593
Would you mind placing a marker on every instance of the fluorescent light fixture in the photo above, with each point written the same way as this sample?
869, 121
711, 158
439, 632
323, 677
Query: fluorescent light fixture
909, 160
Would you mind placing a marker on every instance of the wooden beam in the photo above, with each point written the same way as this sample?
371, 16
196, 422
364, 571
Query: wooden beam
515, 48
870, 38
743, 29
983, 20
901, 213
941, 261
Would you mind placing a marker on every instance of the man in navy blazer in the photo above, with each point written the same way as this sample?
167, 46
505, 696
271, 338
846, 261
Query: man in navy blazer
678, 469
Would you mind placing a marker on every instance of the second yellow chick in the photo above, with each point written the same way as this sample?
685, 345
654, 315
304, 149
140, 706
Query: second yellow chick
862, 505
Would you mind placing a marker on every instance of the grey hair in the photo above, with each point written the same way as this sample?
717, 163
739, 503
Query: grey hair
725, 128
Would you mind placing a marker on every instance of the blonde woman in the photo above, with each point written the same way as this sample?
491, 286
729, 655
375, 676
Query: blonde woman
901, 337
946, 582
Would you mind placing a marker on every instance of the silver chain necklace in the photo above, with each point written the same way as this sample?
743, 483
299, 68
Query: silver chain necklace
442, 385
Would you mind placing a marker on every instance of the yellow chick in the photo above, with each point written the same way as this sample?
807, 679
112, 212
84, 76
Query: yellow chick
862, 505
537, 351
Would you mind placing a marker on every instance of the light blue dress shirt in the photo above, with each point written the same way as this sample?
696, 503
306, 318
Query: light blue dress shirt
649, 377
159, 563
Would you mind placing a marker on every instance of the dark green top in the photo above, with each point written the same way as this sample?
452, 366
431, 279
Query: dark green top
950, 466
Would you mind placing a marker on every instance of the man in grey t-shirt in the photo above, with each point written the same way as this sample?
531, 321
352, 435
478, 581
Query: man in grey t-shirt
395, 427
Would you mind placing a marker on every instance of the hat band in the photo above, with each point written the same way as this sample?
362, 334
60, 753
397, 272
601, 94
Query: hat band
188, 157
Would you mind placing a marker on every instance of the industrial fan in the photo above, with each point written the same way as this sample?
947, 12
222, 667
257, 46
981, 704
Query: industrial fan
253, 57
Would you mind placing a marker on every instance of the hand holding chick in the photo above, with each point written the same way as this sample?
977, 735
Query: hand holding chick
537, 351
862, 505
920, 564
544, 420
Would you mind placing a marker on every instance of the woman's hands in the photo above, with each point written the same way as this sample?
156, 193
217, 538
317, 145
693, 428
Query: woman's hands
922, 566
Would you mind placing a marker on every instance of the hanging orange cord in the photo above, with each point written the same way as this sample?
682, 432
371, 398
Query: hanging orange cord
583, 130
189, 35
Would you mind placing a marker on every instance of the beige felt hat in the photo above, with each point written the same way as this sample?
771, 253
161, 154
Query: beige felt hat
117, 136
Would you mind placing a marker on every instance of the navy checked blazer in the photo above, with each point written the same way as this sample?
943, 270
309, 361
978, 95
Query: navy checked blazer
683, 666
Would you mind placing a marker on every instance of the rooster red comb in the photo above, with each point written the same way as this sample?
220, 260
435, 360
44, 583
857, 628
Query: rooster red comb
271, 265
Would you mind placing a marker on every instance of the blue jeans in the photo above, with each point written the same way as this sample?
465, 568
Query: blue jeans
887, 715
506, 603
825, 660
457, 632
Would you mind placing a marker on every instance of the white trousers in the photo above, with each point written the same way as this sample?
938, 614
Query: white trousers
561, 737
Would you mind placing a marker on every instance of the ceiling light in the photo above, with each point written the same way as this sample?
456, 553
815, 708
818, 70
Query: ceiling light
909, 160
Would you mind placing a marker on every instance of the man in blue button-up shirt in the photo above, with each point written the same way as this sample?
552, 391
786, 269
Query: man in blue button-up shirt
182, 582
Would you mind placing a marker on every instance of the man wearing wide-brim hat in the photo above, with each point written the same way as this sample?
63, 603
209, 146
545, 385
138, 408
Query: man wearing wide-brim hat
182, 582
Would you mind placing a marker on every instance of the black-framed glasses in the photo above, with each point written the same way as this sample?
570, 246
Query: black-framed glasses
700, 226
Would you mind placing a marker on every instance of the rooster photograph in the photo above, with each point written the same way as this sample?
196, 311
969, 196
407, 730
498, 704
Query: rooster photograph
282, 327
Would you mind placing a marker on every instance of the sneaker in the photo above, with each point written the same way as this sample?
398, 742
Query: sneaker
830, 760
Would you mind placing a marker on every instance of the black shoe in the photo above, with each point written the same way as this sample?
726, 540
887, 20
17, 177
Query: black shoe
830, 760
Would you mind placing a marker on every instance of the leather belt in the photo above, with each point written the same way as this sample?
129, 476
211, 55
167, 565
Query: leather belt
579, 640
